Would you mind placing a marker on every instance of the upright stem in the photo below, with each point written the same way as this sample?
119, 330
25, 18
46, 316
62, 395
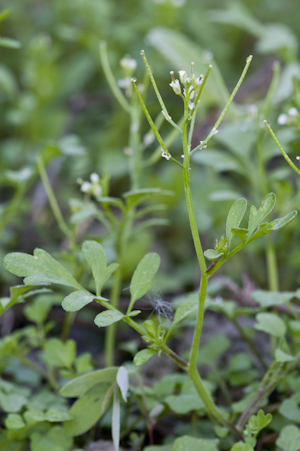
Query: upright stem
110, 335
52, 199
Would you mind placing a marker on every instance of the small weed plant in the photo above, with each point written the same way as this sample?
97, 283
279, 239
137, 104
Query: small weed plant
219, 419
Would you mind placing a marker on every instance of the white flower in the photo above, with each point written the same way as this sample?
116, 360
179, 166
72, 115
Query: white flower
182, 76
282, 119
165, 155
175, 85
128, 64
214, 131
94, 177
298, 158
86, 187
293, 112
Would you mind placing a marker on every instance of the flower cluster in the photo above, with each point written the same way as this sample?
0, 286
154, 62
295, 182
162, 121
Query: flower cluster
128, 66
290, 118
93, 187
190, 84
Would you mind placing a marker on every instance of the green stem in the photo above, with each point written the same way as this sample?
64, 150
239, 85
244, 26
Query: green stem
270, 251
211, 408
225, 109
110, 333
52, 199
134, 144
111, 79
199, 321
287, 158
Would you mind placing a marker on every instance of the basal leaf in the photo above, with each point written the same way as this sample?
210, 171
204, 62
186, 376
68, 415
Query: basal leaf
40, 269
234, 218
80, 385
242, 446
96, 258
87, 410
58, 353
141, 281
14, 421
186, 442
271, 324
77, 300
107, 318
289, 438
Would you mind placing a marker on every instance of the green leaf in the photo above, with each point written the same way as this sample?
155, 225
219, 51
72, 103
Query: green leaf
277, 37
258, 422
241, 446
56, 416
96, 258
240, 233
158, 448
234, 218
280, 222
53, 440
188, 307
87, 410
136, 197
281, 356
10, 43
141, 281
134, 313
183, 404
107, 318
289, 408
216, 345
12, 402
186, 442
143, 356
256, 216
80, 385
213, 254
271, 324
77, 300
289, 438
40, 269
58, 353
217, 159
14, 421
269, 298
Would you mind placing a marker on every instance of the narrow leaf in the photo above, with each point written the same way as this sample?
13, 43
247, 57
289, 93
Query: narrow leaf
123, 381
107, 318
234, 218
80, 385
76, 301
141, 281
86, 411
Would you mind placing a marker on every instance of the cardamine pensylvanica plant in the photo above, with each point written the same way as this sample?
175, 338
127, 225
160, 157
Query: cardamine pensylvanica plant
106, 385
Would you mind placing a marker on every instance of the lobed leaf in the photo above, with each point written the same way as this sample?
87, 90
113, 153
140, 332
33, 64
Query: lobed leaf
40, 269
96, 258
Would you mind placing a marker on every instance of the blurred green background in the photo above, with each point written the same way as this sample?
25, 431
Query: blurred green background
56, 102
